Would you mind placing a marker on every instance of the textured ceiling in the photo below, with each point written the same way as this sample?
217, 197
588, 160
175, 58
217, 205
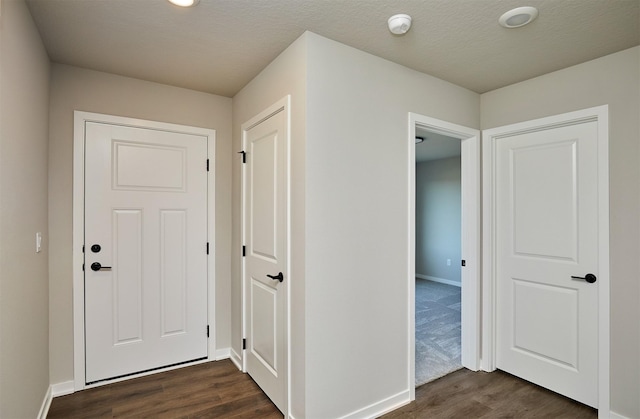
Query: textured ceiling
220, 45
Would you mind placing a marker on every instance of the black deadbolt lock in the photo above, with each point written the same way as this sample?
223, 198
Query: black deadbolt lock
95, 248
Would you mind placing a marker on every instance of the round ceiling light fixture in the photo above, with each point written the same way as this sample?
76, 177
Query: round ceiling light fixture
518, 17
399, 24
419, 139
184, 3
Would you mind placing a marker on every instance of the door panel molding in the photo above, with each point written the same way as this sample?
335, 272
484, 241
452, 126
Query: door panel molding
470, 242
81, 119
490, 139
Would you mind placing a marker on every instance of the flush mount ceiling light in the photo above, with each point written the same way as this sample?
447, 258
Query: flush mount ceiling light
419, 140
518, 17
399, 24
184, 3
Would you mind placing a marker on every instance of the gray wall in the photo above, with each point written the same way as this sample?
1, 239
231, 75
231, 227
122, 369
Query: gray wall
24, 288
74, 88
612, 80
438, 218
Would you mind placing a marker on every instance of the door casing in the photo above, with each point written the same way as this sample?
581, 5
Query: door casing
470, 179
80, 119
490, 138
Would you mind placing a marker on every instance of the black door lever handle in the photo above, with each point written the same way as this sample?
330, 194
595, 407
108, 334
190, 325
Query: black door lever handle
278, 277
96, 266
590, 278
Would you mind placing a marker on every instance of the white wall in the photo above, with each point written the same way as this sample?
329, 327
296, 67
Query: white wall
74, 88
357, 194
286, 75
439, 218
612, 80
24, 311
349, 278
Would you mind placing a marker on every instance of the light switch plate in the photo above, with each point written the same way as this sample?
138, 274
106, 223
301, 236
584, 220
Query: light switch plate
38, 242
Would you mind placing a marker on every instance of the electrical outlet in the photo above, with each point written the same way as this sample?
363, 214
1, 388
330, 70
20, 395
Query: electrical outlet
448, 262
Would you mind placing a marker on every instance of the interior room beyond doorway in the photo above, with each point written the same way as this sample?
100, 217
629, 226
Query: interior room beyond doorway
437, 257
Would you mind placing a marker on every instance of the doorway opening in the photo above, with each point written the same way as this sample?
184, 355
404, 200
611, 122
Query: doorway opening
454, 152
438, 256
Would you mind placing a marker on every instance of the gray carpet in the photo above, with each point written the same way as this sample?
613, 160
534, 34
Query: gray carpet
437, 330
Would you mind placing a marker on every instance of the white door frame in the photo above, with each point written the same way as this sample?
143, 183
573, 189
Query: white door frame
470, 179
490, 138
80, 120
283, 105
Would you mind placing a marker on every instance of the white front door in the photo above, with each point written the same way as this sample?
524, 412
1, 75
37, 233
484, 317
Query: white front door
546, 202
265, 273
145, 249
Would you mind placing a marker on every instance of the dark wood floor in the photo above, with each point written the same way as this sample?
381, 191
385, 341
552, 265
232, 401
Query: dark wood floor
467, 394
209, 390
219, 390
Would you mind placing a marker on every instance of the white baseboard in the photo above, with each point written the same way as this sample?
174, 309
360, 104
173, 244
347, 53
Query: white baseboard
441, 280
236, 359
380, 408
614, 415
223, 353
62, 389
46, 404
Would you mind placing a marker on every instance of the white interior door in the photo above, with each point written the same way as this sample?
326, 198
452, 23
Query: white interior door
146, 224
265, 206
546, 200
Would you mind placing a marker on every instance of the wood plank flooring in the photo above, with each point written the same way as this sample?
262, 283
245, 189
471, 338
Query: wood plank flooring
219, 390
467, 394
209, 390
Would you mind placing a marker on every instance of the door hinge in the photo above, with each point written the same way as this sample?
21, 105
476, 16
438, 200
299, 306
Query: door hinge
207, 247
244, 156
83, 267
244, 344
244, 251
207, 165
83, 248
207, 330
464, 262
